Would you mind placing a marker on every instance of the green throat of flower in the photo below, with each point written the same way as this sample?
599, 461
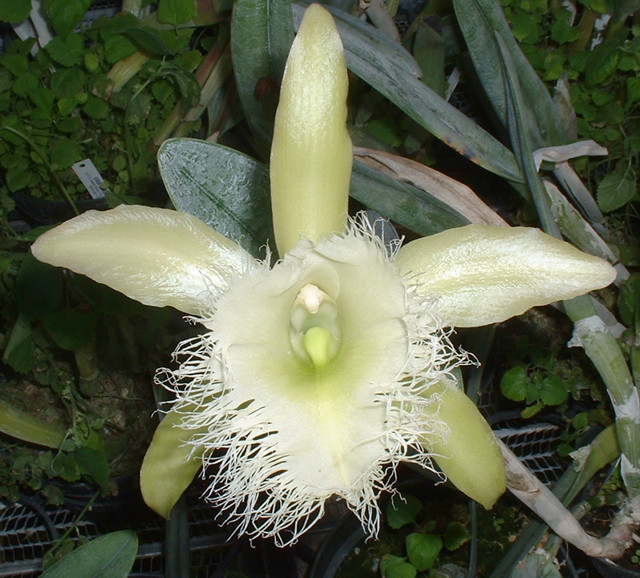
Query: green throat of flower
314, 330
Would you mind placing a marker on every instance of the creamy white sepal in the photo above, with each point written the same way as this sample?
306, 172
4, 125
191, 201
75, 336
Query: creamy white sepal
311, 153
156, 256
481, 274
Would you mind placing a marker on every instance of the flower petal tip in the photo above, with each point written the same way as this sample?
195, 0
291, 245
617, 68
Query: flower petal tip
311, 154
468, 455
156, 256
481, 274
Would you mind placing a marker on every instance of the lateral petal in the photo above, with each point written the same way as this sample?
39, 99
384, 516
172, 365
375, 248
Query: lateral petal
482, 274
468, 455
156, 256
169, 465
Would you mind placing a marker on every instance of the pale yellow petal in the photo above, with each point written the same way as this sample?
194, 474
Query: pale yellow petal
480, 274
311, 155
469, 455
169, 465
156, 256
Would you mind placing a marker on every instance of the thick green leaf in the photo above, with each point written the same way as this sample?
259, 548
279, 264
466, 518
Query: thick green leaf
71, 328
230, 192
387, 67
39, 288
109, 556
259, 64
629, 300
580, 195
538, 564
226, 189
19, 349
280, 28
402, 203
29, 428
481, 21
520, 131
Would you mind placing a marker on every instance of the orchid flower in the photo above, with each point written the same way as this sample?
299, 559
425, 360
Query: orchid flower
314, 377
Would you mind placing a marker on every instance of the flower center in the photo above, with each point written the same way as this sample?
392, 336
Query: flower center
314, 329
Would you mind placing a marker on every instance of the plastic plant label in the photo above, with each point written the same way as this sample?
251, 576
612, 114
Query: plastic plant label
90, 177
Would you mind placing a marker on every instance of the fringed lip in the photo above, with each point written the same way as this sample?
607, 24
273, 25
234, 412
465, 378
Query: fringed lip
281, 437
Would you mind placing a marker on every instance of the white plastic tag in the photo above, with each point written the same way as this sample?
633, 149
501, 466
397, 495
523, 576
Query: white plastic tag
90, 177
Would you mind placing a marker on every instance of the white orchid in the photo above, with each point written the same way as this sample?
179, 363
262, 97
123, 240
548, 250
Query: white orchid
316, 375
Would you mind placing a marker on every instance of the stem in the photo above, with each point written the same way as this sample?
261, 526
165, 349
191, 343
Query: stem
177, 540
46, 162
72, 527
533, 493
382, 19
211, 74
128, 138
600, 452
585, 26
600, 346
572, 183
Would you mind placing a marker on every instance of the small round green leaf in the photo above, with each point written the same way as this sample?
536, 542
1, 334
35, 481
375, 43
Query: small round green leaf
456, 535
615, 190
513, 384
15, 11
554, 391
64, 153
402, 510
423, 550
395, 567
25, 83
96, 108
64, 15
176, 11
66, 51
